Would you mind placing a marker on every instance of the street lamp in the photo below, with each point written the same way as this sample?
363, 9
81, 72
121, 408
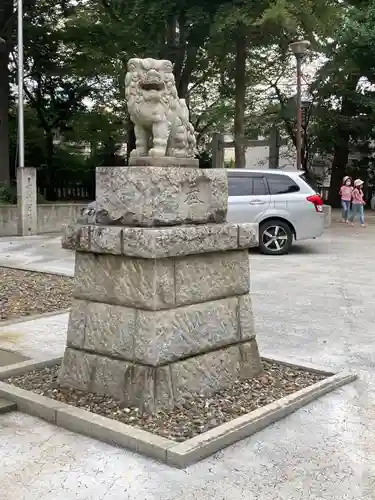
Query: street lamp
21, 139
299, 49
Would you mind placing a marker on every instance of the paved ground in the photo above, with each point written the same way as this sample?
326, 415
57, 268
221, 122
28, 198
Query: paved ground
316, 304
36, 253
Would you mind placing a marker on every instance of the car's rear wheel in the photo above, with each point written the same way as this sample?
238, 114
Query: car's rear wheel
275, 237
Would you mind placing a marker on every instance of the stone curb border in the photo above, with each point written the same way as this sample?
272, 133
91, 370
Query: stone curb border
178, 455
31, 269
25, 319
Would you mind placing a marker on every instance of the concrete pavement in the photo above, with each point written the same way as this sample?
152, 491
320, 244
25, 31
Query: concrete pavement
41, 253
316, 304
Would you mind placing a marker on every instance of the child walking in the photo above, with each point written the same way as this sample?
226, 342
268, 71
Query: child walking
346, 197
358, 203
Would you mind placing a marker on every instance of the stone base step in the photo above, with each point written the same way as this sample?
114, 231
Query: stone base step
7, 406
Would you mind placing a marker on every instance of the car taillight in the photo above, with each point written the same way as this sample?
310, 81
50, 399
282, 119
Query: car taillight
316, 200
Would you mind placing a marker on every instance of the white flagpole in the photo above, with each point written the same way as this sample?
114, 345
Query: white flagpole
21, 135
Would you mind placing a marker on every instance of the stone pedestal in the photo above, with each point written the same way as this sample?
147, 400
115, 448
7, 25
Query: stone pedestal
162, 308
26, 201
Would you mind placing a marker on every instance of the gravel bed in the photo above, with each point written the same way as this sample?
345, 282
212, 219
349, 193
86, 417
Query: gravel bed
193, 417
23, 293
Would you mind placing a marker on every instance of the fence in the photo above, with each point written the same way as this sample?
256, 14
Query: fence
67, 192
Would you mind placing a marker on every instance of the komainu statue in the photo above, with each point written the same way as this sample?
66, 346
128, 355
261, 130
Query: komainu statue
161, 119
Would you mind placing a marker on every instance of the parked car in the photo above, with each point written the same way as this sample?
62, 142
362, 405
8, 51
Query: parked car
284, 204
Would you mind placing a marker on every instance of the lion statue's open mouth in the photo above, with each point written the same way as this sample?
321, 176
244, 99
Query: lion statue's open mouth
149, 86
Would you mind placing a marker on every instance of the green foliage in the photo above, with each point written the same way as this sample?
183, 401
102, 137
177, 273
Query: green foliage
75, 64
230, 163
8, 194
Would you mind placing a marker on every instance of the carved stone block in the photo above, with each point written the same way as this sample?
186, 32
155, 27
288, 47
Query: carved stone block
166, 336
211, 276
160, 196
158, 337
127, 281
154, 388
160, 242
179, 240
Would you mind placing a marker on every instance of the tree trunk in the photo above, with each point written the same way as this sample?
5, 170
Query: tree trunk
6, 12
4, 113
340, 161
240, 89
50, 177
341, 147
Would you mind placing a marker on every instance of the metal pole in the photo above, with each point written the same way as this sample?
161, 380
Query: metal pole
21, 128
299, 114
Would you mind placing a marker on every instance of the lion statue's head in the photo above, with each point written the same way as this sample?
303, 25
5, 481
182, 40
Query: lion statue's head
150, 80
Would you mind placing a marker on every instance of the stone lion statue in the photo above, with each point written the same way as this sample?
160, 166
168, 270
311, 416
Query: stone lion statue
161, 119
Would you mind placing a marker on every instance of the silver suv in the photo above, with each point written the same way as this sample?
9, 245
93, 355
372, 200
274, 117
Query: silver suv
283, 203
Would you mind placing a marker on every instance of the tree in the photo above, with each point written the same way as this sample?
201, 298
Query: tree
346, 101
53, 85
6, 24
269, 26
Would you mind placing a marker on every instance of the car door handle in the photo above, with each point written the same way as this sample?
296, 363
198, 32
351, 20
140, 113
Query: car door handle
257, 202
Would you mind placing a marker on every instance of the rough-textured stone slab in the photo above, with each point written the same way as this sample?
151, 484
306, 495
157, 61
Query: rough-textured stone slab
77, 369
77, 324
156, 284
246, 317
165, 336
179, 240
109, 377
211, 276
206, 374
110, 330
140, 387
76, 237
158, 337
152, 388
106, 239
161, 242
250, 364
127, 281
160, 196
248, 235
162, 161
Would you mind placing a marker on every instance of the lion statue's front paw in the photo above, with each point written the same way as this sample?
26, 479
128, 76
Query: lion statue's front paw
136, 153
157, 152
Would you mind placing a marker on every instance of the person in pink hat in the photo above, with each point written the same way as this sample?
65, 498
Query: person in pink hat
346, 197
358, 203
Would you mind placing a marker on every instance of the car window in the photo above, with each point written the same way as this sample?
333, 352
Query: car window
281, 184
240, 185
245, 185
259, 186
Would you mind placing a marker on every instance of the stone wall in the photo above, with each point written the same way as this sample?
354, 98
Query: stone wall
50, 217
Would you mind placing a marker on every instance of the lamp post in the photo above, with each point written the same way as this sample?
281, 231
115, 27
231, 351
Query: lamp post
26, 176
21, 128
299, 49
